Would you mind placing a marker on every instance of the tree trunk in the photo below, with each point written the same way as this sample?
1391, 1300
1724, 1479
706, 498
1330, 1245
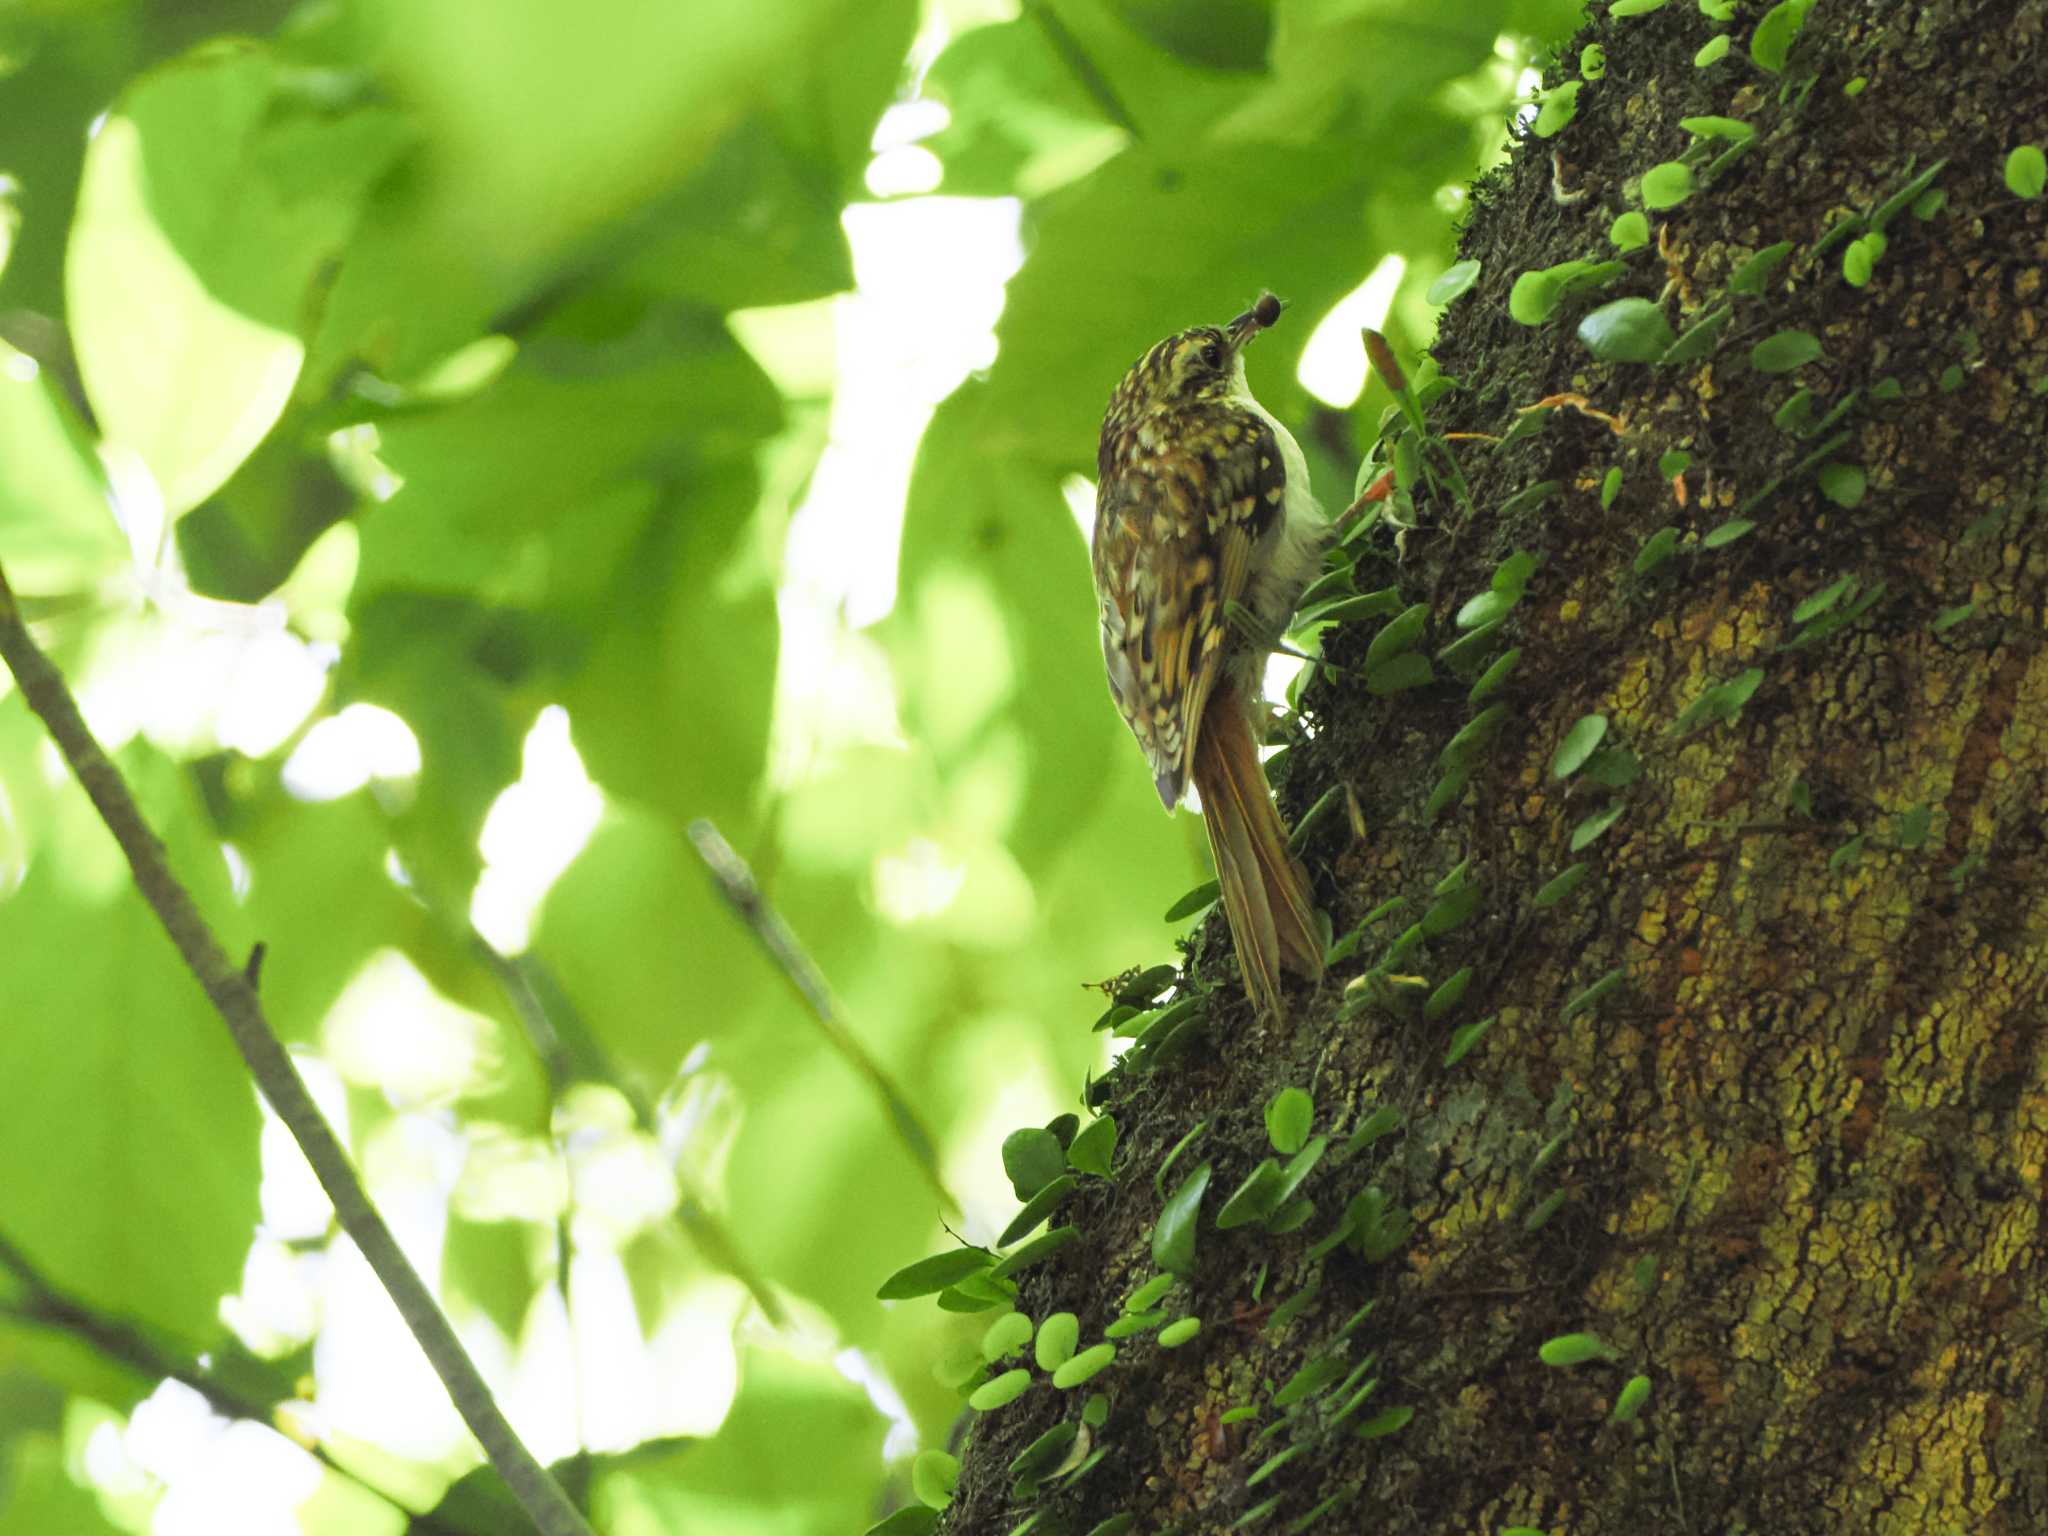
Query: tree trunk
1763, 1105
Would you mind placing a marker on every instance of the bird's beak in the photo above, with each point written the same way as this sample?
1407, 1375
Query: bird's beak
1254, 320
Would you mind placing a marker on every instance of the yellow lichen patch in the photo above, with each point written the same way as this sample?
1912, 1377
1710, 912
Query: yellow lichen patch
1926, 1469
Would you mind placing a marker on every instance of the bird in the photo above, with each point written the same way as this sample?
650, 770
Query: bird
1202, 506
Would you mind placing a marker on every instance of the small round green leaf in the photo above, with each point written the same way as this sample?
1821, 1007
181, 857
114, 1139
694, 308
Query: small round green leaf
1006, 1335
1289, 1115
1667, 185
1630, 1401
1175, 1334
1057, 1336
1452, 281
1587, 732
1771, 43
1576, 1349
933, 1477
1843, 484
999, 1390
1559, 107
2026, 171
1032, 1158
1627, 331
1784, 351
1091, 1150
1713, 51
1592, 61
1084, 1366
1630, 232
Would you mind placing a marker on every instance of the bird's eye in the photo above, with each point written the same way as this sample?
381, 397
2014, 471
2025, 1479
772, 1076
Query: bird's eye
1212, 355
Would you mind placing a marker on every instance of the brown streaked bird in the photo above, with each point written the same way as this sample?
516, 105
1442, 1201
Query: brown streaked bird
1203, 500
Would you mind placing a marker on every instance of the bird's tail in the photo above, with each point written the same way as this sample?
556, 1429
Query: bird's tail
1265, 889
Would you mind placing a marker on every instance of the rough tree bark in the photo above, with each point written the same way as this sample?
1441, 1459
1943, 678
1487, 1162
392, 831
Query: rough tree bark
1764, 1105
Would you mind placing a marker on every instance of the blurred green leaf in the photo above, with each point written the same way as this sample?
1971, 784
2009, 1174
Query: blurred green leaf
144, 1144
57, 534
212, 198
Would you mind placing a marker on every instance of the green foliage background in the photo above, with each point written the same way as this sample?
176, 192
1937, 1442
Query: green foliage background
490, 247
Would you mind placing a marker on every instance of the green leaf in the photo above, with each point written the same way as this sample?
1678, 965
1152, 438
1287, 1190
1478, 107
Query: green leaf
1593, 61
211, 201
1712, 51
1592, 826
1576, 1349
1657, 548
1723, 701
1453, 281
1610, 487
933, 1477
1033, 1159
1474, 736
143, 1144
1843, 484
1560, 105
1037, 1209
1318, 1375
1629, 232
1000, 1391
1726, 533
1177, 1333
1537, 294
1784, 351
1041, 1247
1698, 339
1732, 128
1289, 1113
1384, 1423
910, 1520
1057, 1336
1634, 7
1626, 331
1750, 277
1369, 1130
927, 1276
1448, 994
1084, 1367
1494, 677
1772, 40
2026, 171
1465, 1038
1628, 1403
1173, 1236
1254, 1199
1667, 185
1005, 1336
57, 531
1202, 896
1092, 1149
1587, 732
1560, 886
1397, 635
1410, 669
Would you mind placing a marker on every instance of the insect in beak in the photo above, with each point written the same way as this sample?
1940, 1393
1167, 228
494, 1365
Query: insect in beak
1254, 320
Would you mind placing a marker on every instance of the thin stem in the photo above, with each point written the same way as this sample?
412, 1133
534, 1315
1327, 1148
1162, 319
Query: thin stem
234, 999
736, 883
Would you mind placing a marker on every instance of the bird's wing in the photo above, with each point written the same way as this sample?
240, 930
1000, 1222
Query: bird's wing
1176, 539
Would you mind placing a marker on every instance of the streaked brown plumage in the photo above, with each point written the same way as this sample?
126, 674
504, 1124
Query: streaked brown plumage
1203, 501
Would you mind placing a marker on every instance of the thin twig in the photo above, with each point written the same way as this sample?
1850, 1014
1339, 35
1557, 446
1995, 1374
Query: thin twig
736, 883
227, 987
